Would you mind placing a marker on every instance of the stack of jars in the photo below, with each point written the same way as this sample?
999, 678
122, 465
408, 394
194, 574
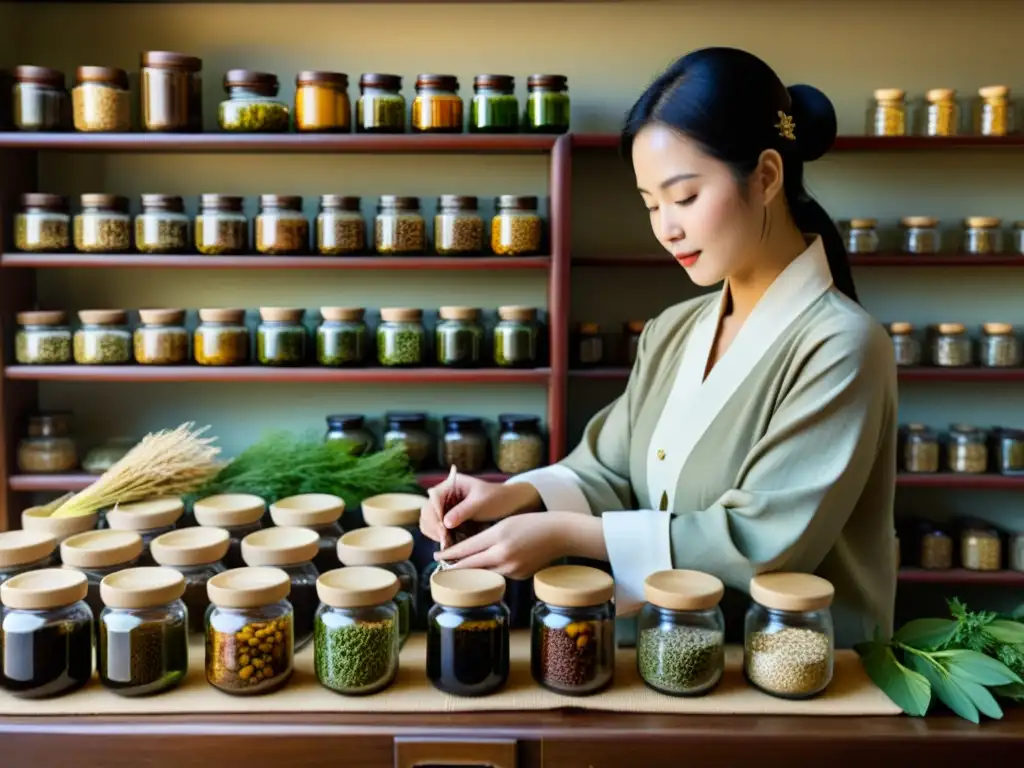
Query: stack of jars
949, 345
982, 546
923, 236
962, 449
940, 113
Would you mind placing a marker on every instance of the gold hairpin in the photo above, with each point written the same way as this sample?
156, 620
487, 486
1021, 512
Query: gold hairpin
786, 126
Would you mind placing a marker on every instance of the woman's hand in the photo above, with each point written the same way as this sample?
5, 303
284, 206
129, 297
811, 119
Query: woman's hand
481, 501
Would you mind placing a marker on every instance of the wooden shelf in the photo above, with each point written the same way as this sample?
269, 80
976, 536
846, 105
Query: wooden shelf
905, 374
610, 141
966, 482
651, 261
255, 373
961, 576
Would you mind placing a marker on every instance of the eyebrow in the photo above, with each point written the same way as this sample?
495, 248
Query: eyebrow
672, 180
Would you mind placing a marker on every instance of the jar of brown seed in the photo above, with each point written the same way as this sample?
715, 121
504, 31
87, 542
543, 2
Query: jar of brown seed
100, 100
340, 227
983, 235
921, 235
281, 227
104, 338
104, 225
905, 345
516, 229
464, 444
399, 228
42, 338
162, 227
43, 225
520, 445
951, 346
920, 450
981, 548
40, 99
1000, 347
48, 447
458, 228
967, 451
162, 338
172, 92
221, 228
936, 549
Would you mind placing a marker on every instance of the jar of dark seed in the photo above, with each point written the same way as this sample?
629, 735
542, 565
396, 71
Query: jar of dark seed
458, 228
520, 445
104, 337
1000, 347
281, 227
162, 227
98, 554
941, 114
631, 334
48, 447
352, 429
789, 644
967, 452
221, 338
237, 513
100, 100
516, 229
221, 228
981, 548
1009, 451
281, 336
936, 548
951, 346
994, 112
22, 551
547, 104
921, 450
252, 105
388, 548
589, 346
40, 99
149, 519
862, 237
906, 347
340, 228
573, 630
104, 225
172, 92
293, 551
494, 108
341, 337
982, 235
162, 338
458, 337
143, 637
43, 225
319, 512
399, 228
381, 106
437, 107
321, 102
197, 553
400, 337
46, 634
921, 235
681, 633
515, 337
42, 338
464, 444
468, 632
409, 430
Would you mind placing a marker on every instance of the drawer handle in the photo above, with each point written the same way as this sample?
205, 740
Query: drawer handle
462, 753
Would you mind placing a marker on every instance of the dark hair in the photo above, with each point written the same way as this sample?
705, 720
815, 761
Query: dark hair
729, 101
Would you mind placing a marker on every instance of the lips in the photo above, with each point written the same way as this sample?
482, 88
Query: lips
688, 259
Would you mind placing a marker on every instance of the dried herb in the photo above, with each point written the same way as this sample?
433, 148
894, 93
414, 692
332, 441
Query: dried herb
355, 656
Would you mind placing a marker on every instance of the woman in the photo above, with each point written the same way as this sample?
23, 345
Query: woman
758, 428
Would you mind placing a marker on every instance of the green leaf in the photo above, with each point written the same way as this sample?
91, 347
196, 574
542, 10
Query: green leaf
1010, 632
983, 700
907, 689
947, 689
1011, 691
926, 633
976, 667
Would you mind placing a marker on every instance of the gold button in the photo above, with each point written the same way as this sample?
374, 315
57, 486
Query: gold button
660, 454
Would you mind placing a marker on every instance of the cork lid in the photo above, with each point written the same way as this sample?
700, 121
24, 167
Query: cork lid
791, 591
171, 60
338, 314
44, 589
222, 315
45, 201
162, 316
100, 549
282, 314
458, 313
954, 328
517, 313
109, 75
190, 546
104, 200
43, 317
356, 587
142, 587
146, 515
248, 587
401, 314
982, 222
103, 316
280, 546
919, 221
229, 510
863, 223
29, 73
901, 328
307, 509
39, 519
393, 509
997, 329
994, 92
940, 94
681, 590
24, 547
889, 94
573, 586
380, 545
466, 587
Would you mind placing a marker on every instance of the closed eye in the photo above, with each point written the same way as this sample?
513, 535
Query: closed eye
687, 201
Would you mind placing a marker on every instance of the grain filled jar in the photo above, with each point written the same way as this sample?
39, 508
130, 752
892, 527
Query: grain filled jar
143, 637
516, 229
341, 337
252, 105
221, 338
249, 604
458, 227
967, 451
920, 450
46, 634
340, 228
162, 338
410, 431
982, 235
862, 237
994, 113
494, 108
459, 337
357, 634
40, 99
281, 227
48, 447
221, 228
399, 228
468, 632
42, 338
515, 337
1009, 453
100, 100
388, 548
573, 630
103, 338
681, 633
547, 104
196, 553
103, 226
149, 519
22, 551
951, 346
888, 115
1000, 347
464, 444
520, 445
981, 548
97, 554
350, 427
321, 102
789, 643
172, 92
43, 225
921, 235
589, 346
319, 512
632, 332
941, 113
437, 107
905, 344
292, 550
400, 337
281, 336
381, 106
237, 513
935, 551
162, 227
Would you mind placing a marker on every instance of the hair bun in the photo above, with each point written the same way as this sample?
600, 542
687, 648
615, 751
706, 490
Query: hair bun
815, 119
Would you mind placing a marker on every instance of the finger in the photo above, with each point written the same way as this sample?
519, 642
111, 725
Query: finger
460, 513
469, 546
488, 559
430, 529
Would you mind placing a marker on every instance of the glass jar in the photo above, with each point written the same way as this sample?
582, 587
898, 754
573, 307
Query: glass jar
102, 457
104, 338
221, 228
516, 229
402, 510
573, 630
197, 554
381, 106
589, 346
281, 228
400, 337
252, 105
458, 228
951, 346
221, 338
941, 114
43, 225
238, 513
341, 337
1016, 552
143, 637
321, 102
982, 235
162, 227
632, 332
494, 108
994, 113
281, 336
459, 337
172, 92
249, 604
905, 345
291, 550
40, 99
921, 450
437, 107
681, 633
1009, 453
340, 228
464, 444
48, 447
399, 228
149, 519
42, 338
22, 551
104, 225
468, 632
162, 338
888, 116
981, 548
46, 634
967, 452
515, 337
356, 632
1018, 237
351, 428
388, 548
921, 235
789, 643
520, 445
409, 429
547, 104
319, 512
98, 554
100, 100
1000, 347
862, 237
936, 549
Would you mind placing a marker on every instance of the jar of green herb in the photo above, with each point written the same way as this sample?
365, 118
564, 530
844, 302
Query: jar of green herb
43, 225
196, 553
389, 548
252, 105
494, 108
381, 106
459, 337
547, 104
515, 337
410, 431
281, 336
43, 338
341, 337
400, 337
350, 427
104, 338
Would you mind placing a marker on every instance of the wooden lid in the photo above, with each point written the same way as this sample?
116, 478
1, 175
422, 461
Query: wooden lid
919, 221
45, 201
314, 77
495, 82
573, 586
248, 587
398, 202
190, 546
997, 329
440, 82
162, 316
40, 519
380, 545
160, 202
103, 316
146, 515
555, 82
215, 202
287, 202
393, 509
356, 587
307, 509
458, 313
517, 313
29, 73
466, 587
589, 329
636, 326
264, 83
951, 328
458, 202
338, 314
142, 587
339, 203
109, 75
863, 223
44, 589
43, 317
401, 314
229, 510
901, 328
681, 590
222, 315
982, 222
280, 546
171, 60
994, 92
940, 94
24, 547
100, 549
380, 80
791, 591
104, 200
889, 94
282, 314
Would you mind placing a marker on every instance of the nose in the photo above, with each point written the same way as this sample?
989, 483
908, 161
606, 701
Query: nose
669, 229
